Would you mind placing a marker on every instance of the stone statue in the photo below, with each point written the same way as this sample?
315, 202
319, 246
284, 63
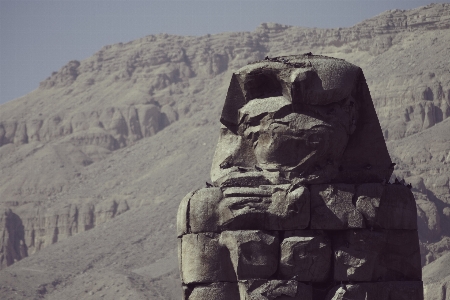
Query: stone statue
301, 206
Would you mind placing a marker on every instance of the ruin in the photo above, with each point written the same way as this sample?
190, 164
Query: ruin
300, 205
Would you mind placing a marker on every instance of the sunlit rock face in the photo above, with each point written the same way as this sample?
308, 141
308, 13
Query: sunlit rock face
300, 206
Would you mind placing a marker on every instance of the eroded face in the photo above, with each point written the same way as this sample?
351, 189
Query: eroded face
305, 141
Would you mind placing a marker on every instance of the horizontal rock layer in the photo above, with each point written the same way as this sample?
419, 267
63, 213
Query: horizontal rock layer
23, 236
109, 128
285, 207
303, 255
290, 289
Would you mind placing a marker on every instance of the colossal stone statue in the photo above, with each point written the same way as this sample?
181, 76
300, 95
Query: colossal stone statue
301, 206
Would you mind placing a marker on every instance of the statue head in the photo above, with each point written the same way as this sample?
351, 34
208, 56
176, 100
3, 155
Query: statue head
299, 118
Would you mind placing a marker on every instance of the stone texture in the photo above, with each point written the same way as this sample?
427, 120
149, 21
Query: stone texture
332, 207
203, 210
305, 256
368, 205
183, 215
397, 208
366, 158
411, 290
12, 243
213, 291
248, 179
368, 198
327, 128
276, 207
254, 254
204, 259
42, 227
386, 255
274, 289
390, 206
268, 207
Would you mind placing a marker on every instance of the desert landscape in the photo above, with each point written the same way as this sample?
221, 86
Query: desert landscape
94, 163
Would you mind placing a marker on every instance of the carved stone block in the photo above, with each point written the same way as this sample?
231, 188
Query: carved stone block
254, 253
213, 291
305, 256
204, 259
401, 290
247, 179
267, 207
398, 208
270, 207
386, 206
332, 207
274, 289
385, 255
203, 210
182, 215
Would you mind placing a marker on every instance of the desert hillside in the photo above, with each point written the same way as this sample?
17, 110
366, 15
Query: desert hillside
94, 163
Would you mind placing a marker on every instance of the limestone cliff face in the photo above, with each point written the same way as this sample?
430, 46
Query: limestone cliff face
436, 277
39, 227
12, 244
110, 128
52, 140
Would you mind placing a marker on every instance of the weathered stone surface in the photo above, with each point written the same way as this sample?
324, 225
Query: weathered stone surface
368, 199
365, 158
397, 208
204, 259
244, 179
305, 256
12, 242
267, 207
254, 253
401, 290
371, 205
274, 289
213, 291
386, 255
183, 215
304, 116
203, 210
276, 207
389, 206
332, 207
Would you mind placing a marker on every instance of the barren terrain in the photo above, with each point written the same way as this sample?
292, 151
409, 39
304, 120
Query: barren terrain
94, 163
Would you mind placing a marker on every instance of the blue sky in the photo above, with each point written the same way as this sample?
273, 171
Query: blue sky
40, 36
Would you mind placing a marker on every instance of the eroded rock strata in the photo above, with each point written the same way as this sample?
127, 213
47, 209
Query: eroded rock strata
301, 206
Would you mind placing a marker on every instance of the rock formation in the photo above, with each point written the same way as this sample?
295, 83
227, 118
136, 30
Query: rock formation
301, 206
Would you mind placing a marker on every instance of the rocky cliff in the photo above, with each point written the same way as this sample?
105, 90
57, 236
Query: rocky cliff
124, 134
